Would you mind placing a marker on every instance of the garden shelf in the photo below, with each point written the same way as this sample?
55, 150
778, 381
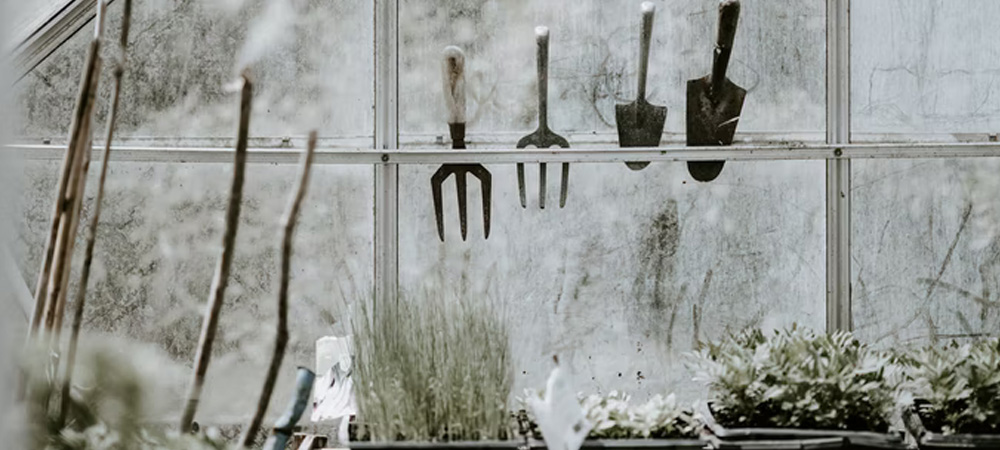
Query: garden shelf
933, 438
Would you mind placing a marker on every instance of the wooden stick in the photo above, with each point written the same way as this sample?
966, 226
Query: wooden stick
81, 293
221, 279
90, 71
281, 338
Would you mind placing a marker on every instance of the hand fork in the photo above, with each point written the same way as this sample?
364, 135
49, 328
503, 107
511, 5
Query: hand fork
454, 95
543, 137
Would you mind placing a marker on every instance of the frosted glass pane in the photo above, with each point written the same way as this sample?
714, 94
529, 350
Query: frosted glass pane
158, 245
926, 249
636, 267
313, 68
924, 66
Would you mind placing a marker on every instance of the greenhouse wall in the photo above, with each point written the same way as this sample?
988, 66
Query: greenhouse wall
638, 266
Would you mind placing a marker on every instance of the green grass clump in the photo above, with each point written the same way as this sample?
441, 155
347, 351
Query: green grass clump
961, 387
799, 379
432, 369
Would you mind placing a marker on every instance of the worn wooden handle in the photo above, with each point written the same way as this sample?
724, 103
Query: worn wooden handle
542, 39
729, 16
645, 40
454, 83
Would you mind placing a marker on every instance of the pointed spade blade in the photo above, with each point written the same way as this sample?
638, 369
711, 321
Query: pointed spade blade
712, 117
640, 124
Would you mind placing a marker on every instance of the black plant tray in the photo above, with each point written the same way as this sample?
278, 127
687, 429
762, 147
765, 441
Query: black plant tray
590, 444
791, 438
928, 438
456, 445
633, 444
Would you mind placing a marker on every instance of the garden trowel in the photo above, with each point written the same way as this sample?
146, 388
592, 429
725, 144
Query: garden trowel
714, 103
543, 137
640, 124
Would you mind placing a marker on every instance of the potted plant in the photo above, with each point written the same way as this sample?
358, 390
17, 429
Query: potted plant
797, 388
431, 372
660, 423
956, 395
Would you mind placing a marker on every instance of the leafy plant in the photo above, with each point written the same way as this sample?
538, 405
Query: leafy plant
432, 369
798, 379
614, 417
961, 387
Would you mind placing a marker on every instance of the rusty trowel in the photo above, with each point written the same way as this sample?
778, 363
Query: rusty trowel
543, 137
454, 95
640, 124
714, 103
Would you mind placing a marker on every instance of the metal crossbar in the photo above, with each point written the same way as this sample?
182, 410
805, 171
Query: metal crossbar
437, 155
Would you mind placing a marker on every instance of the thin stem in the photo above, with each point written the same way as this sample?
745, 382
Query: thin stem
281, 338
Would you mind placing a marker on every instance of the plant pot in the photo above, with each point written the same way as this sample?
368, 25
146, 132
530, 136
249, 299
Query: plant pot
793, 438
457, 445
632, 444
931, 437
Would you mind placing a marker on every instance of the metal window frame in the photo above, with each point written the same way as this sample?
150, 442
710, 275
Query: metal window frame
386, 154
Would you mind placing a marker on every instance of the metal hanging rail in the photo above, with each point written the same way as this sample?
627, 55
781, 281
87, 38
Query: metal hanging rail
438, 155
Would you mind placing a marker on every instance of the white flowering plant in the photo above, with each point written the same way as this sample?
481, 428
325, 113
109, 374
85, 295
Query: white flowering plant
615, 417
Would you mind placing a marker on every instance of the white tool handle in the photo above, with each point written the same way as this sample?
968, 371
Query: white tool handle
454, 83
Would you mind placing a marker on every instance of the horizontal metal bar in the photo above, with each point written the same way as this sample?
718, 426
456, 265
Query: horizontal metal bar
745, 152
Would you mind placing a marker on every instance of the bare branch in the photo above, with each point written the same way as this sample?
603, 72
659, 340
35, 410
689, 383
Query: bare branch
221, 279
281, 338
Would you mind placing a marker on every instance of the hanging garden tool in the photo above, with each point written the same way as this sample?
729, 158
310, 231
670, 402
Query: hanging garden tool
454, 97
543, 137
714, 103
640, 124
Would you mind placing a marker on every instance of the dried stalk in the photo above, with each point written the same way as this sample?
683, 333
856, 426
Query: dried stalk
281, 339
81, 293
221, 279
84, 103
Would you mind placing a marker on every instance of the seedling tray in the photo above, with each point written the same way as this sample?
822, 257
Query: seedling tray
928, 438
790, 438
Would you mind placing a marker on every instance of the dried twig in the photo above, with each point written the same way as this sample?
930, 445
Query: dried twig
84, 105
81, 294
281, 339
221, 279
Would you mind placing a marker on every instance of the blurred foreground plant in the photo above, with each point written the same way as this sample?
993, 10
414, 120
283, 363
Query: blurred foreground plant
432, 369
614, 417
107, 409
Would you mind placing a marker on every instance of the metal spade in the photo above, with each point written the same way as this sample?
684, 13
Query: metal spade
714, 103
454, 95
543, 137
640, 124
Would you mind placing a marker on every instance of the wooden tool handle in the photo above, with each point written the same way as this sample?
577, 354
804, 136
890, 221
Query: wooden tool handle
454, 83
645, 39
542, 39
729, 15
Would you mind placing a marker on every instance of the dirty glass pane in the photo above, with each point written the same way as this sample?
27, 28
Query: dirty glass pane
634, 270
779, 57
312, 65
924, 69
925, 249
158, 244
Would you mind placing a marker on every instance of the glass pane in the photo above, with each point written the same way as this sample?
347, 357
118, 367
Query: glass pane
925, 249
636, 268
313, 69
924, 69
779, 57
158, 245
